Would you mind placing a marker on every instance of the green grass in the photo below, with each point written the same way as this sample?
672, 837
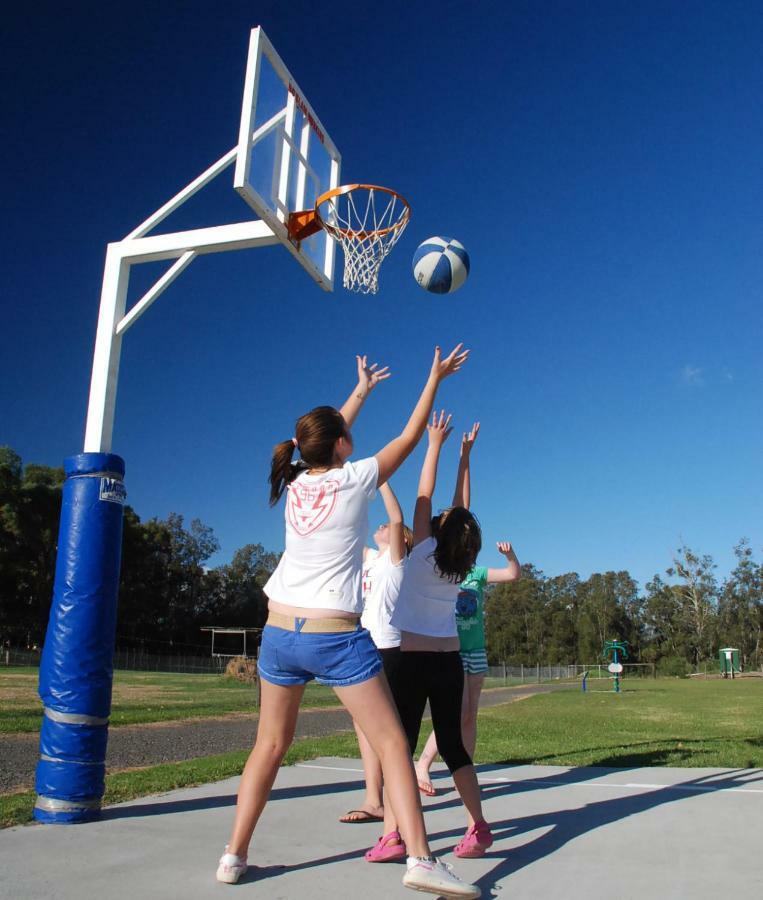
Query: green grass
662, 722
141, 697
654, 722
503, 682
16, 809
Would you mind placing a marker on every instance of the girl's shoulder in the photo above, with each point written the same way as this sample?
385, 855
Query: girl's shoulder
477, 577
364, 472
424, 548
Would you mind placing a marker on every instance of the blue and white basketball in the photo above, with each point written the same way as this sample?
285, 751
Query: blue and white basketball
440, 265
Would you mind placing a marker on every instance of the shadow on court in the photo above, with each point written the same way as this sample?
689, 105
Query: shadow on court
560, 827
161, 807
654, 832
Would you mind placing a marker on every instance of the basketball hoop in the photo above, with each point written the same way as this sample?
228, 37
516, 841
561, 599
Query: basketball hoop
366, 220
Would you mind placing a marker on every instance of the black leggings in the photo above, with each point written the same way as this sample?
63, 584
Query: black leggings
439, 678
391, 657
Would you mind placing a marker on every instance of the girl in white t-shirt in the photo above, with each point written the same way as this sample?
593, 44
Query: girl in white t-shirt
313, 629
470, 623
382, 576
445, 549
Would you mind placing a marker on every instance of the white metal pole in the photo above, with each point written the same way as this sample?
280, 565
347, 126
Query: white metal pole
108, 347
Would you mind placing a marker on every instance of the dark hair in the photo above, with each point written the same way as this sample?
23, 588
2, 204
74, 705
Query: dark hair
459, 541
316, 434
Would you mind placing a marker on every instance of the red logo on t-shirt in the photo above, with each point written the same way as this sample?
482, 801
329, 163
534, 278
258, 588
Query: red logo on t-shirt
309, 506
367, 582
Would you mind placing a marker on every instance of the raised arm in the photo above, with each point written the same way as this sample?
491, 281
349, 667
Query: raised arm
462, 494
395, 515
391, 457
511, 572
368, 378
437, 434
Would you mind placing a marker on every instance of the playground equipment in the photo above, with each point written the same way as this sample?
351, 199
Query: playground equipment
615, 651
612, 649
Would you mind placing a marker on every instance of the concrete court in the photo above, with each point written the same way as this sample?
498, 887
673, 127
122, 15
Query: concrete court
571, 833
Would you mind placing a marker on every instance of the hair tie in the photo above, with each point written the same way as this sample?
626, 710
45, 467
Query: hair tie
294, 441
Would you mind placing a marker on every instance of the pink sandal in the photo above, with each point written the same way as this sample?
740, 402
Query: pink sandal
475, 842
385, 851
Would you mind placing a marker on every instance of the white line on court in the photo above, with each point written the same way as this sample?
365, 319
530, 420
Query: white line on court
691, 788
327, 768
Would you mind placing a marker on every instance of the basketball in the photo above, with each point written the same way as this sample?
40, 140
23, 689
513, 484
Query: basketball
440, 265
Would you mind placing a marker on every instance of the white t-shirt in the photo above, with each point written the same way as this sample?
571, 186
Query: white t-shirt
370, 555
427, 601
381, 587
326, 526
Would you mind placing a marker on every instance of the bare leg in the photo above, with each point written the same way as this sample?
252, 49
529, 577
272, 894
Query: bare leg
275, 731
428, 755
373, 775
469, 710
466, 777
371, 706
469, 791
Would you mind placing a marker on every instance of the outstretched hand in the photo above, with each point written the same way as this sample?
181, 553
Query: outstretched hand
504, 547
370, 376
439, 429
467, 441
441, 368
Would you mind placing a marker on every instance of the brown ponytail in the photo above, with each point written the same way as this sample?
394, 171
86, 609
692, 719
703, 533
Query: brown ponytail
282, 470
316, 435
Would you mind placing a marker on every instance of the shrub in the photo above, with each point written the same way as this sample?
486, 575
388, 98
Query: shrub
673, 665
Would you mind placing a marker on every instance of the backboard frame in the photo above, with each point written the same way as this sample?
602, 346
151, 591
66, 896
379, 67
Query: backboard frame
293, 162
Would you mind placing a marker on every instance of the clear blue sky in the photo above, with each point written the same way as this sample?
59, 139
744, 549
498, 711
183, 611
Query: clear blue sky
600, 161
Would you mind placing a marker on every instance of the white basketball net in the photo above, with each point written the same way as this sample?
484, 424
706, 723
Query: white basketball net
366, 222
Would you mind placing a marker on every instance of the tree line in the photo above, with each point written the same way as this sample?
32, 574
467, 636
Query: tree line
167, 593
678, 625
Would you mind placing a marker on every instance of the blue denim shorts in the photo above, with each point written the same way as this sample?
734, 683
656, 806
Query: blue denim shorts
334, 659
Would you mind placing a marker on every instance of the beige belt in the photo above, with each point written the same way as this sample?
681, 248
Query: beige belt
311, 626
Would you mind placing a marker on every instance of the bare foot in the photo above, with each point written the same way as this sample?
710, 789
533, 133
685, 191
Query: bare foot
364, 814
425, 785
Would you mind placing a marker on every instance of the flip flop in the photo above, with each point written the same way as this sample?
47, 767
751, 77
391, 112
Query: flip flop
426, 788
360, 816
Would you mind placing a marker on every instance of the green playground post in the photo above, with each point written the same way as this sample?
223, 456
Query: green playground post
611, 650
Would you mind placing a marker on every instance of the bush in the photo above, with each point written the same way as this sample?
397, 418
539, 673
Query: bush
673, 666
242, 669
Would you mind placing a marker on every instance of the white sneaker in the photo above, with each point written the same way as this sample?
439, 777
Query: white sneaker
231, 867
437, 877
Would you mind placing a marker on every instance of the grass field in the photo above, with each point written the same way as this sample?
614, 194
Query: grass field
662, 722
141, 697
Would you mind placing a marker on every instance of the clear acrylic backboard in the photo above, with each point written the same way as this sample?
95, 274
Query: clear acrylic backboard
285, 157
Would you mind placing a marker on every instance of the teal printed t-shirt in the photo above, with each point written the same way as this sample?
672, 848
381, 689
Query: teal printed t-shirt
470, 617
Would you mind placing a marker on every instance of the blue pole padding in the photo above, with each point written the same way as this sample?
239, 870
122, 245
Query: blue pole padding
77, 659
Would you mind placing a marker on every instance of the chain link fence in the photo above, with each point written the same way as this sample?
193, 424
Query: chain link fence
132, 661
136, 660
537, 674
